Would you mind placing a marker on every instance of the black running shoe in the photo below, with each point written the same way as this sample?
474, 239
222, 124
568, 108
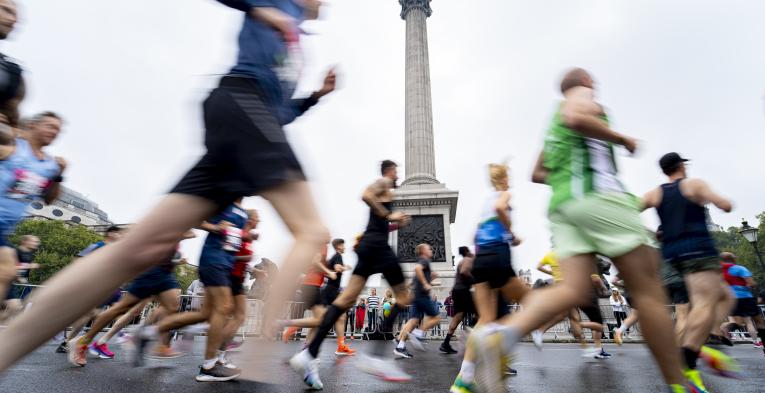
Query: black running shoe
447, 348
219, 373
62, 348
511, 371
403, 353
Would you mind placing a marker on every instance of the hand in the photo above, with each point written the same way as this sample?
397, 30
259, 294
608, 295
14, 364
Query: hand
629, 143
61, 164
183, 261
516, 241
427, 287
223, 225
433, 275
330, 82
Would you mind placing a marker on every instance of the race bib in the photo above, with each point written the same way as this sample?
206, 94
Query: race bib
232, 239
27, 186
291, 65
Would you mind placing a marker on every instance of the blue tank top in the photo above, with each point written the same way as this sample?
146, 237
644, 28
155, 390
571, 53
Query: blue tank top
490, 231
685, 234
23, 180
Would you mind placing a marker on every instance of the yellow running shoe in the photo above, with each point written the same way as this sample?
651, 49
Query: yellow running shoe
460, 386
694, 381
720, 363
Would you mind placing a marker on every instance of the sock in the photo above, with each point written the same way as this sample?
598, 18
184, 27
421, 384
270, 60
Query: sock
340, 341
690, 357
468, 371
102, 340
418, 333
221, 355
401, 344
330, 317
209, 363
622, 328
448, 338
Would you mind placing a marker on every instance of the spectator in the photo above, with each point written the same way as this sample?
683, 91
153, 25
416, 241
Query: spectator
389, 297
361, 308
619, 306
261, 286
373, 306
449, 304
197, 291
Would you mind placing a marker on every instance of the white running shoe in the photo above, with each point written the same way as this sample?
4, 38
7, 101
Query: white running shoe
385, 369
307, 368
590, 352
536, 336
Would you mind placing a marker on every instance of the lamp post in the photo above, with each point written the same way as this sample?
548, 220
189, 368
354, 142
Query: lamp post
750, 234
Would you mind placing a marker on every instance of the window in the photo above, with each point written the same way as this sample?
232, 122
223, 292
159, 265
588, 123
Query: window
37, 205
76, 219
57, 213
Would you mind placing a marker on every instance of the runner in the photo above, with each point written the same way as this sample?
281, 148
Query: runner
424, 306
247, 154
689, 247
549, 265
224, 239
27, 174
159, 281
740, 280
463, 299
12, 88
374, 256
590, 213
492, 271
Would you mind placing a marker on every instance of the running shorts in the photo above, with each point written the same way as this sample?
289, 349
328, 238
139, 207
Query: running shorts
328, 294
746, 307
149, 285
463, 301
310, 296
377, 257
493, 265
237, 285
697, 265
592, 311
606, 224
215, 274
247, 149
424, 305
678, 293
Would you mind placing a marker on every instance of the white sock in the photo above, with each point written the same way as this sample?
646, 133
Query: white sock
622, 328
102, 340
401, 344
418, 333
467, 371
209, 363
221, 356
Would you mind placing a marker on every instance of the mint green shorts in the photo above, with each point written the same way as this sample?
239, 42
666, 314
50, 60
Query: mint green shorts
605, 224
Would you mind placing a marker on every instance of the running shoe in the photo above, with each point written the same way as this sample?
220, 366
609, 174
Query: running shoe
758, 344
77, 351
447, 348
228, 364
162, 351
720, 363
675, 388
460, 386
344, 350
289, 333
102, 351
385, 369
492, 362
618, 337
695, 384
62, 348
308, 369
590, 352
511, 371
217, 373
123, 337
402, 353
602, 355
416, 342
537, 338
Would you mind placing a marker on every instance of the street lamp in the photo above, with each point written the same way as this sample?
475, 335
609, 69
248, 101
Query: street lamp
750, 234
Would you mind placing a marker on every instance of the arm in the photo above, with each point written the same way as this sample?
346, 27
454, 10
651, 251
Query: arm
301, 105
580, 113
501, 208
371, 197
702, 194
466, 266
540, 173
651, 199
421, 277
213, 228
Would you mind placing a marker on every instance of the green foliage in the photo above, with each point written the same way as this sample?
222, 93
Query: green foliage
59, 244
730, 240
185, 274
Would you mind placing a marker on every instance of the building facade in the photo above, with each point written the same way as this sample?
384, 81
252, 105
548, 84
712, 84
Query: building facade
72, 207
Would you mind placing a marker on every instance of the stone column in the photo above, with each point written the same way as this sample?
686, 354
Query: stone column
420, 156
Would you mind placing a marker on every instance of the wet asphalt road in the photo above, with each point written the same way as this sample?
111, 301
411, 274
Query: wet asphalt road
558, 368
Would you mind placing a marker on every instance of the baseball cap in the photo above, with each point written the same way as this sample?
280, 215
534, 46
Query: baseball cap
671, 160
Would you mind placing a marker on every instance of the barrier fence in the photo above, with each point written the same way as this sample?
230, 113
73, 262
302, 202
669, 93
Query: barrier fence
362, 323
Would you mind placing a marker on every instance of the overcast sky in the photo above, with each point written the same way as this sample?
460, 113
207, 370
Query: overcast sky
129, 77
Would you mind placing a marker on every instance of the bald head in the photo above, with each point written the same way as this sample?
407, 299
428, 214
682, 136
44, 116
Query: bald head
574, 78
728, 257
7, 17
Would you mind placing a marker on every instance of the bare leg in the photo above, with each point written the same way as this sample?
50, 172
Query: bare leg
8, 261
221, 309
84, 283
124, 321
80, 323
408, 327
240, 315
705, 292
295, 205
122, 306
723, 309
639, 268
485, 300
681, 318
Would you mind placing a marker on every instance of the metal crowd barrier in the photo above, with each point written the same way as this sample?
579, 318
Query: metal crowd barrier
364, 323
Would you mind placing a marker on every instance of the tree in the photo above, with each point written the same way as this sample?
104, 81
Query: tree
732, 241
185, 274
59, 244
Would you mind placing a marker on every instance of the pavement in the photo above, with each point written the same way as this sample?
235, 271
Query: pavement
558, 368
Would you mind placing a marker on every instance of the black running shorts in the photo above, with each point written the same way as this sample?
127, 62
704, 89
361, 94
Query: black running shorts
328, 294
746, 307
463, 301
493, 264
592, 311
377, 257
247, 150
678, 293
310, 296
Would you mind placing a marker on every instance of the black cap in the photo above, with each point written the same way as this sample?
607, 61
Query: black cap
671, 161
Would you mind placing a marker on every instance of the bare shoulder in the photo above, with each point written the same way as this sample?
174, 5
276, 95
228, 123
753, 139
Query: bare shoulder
6, 151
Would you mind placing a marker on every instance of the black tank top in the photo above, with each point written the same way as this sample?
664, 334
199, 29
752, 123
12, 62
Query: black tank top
377, 228
684, 226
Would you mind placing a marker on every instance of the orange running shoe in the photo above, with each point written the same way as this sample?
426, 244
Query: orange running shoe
344, 350
288, 333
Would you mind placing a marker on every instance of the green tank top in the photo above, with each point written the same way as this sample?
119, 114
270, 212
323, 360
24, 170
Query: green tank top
578, 165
